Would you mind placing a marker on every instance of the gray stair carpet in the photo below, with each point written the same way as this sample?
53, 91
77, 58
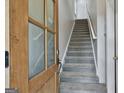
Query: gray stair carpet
79, 72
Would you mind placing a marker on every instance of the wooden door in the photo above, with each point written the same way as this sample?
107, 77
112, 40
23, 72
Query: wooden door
33, 46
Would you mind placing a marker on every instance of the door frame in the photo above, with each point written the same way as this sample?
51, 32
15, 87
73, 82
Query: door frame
18, 21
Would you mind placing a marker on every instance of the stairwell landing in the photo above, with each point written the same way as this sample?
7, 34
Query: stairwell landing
79, 72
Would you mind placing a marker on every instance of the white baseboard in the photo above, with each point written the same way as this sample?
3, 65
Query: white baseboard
66, 49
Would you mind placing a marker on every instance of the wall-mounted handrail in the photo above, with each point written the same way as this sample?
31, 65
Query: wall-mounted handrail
91, 29
94, 36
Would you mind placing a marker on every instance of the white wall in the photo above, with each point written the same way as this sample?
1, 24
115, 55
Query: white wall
66, 21
110, 46
101, 29
7, 40
81, 11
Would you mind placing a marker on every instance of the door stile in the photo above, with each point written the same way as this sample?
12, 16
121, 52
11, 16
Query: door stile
19, 45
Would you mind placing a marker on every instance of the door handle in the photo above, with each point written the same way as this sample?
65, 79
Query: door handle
115, 58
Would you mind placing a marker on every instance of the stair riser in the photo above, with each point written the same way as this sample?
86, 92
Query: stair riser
81, 29
79, 58
79, 61
80, 49
82, 91
83, 38
80, 23
80, 41
75, 36
81, 34
74, 40
83, 42
80, 44
80, 38
80, 54
87, 51
81, 26
80, 80
85, 69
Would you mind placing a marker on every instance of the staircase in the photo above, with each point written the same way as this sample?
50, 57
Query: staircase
79, 73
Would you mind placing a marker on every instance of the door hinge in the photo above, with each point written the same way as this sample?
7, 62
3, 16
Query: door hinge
115, 58
6, 59
57, 52
105, 34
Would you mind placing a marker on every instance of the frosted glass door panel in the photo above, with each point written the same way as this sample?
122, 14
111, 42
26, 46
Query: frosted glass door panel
51, 52
36, 9
36, 50
50, 19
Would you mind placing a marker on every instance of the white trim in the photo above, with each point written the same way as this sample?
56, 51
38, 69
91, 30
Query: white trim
63, 58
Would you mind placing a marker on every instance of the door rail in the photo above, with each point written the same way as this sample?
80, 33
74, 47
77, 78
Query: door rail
11, 90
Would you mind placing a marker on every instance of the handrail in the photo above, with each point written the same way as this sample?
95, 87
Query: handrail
91, 29
94, 36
